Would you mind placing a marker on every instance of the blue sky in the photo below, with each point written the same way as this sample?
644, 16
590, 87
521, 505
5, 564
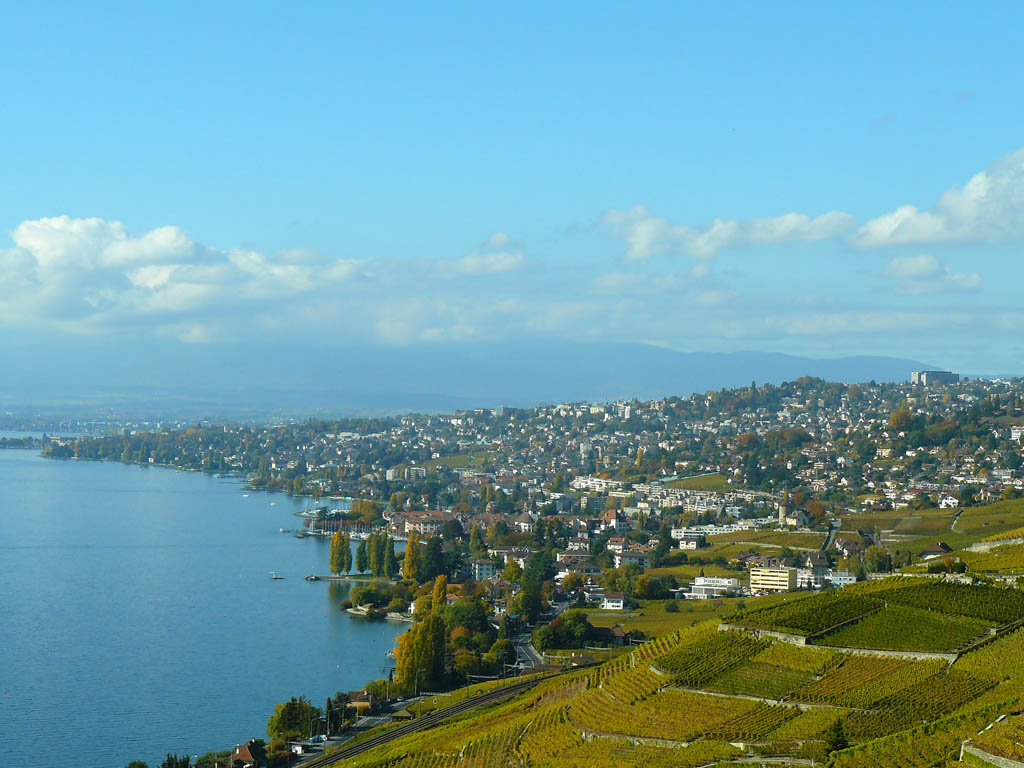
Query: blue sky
806, 179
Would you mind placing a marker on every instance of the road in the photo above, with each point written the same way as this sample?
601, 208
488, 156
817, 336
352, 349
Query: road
429, 720
526, 654
833, 529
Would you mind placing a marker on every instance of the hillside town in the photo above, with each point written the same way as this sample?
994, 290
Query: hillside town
735, 492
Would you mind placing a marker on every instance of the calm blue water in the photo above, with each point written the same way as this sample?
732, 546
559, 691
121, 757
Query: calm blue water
138, 617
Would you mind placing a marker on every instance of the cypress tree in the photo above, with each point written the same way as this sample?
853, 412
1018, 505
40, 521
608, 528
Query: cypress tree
362, 563
337, 556
390, 561
381, 545
346, 554
411, 564
371, 553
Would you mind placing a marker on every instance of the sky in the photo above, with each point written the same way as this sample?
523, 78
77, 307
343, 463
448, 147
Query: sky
812, 179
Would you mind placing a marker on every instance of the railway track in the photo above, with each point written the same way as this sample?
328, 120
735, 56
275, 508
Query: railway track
427, 721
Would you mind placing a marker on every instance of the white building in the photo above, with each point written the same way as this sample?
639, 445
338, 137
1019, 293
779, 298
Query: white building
481, 570
710, 587
613, 601
632, 557
596, 484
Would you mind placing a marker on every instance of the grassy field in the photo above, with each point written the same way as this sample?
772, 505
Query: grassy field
992, 519
654, 619
713, 482
923, 525
460, 461
916, 545
794, 539
902, 521
688, 572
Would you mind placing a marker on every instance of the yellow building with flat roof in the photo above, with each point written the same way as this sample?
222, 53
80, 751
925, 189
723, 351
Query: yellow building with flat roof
772, 579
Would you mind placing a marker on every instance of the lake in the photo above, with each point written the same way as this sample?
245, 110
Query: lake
138, 616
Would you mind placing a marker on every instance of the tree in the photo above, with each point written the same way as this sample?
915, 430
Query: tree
835, 737
411, 563
433, 560
390, 560
476, 539
362, 562
137, 764
380, 545
513, 571
346, 554
373, 554
337, 559
440, 596
876, 559
173, 761
292, 719
452, 530
815, 509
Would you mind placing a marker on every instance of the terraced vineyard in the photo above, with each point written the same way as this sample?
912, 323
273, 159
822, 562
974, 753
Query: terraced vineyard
681, 699
905, 628
1008, 558
901, 614
810, 617
1004, 739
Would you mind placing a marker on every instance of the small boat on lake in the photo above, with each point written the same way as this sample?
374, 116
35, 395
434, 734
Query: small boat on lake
275, 577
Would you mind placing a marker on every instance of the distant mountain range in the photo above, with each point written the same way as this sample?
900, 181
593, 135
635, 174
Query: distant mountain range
303, 379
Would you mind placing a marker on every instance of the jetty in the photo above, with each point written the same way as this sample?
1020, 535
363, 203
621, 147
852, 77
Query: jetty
348, 577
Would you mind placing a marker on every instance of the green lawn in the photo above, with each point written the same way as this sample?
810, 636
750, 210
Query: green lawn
916, 545
923, 525
460, 460
654, 619
900, 521
991, 519
688, 572
714, 482
795, 539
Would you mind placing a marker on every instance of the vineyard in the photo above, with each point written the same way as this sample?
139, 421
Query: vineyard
1008, 558
1005, 739
900, 614
812, 616
687, 698
905, 628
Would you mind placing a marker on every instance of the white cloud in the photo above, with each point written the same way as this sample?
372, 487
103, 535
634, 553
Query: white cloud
483, 264
860, 322
713, 298
498, 240
497, 254
86, 274
989, 208
924, 273
618, 283
647, 235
